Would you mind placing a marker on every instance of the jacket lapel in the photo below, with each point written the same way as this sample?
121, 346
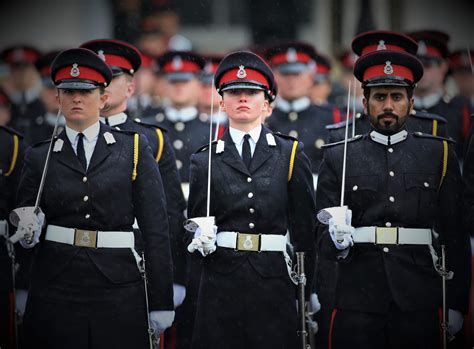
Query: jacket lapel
67, 156
231, 156
101, 150
262, 151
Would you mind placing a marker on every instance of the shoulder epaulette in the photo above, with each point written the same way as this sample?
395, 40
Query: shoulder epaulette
12, 131
282, 135
338, 125
426, 115
204, 147
127, 132
353, 139
40, 143
427, 135
149, 124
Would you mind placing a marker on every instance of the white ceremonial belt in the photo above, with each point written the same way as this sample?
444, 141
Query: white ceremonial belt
251, 242
3, 228
392, 236
90, 238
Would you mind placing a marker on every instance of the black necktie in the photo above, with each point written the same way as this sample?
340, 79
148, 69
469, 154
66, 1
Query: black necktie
107, 121
81, 154
246, 154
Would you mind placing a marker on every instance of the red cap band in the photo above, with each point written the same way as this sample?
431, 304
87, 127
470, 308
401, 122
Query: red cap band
147, 61
251, 75
21, 55
117, 61
372, 48
383, 69
321, 69
281, 58
428, 50
210, 68
184, 66
82, 73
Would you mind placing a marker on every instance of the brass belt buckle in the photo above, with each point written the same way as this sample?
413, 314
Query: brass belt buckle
85, 238
386, 236
248, 242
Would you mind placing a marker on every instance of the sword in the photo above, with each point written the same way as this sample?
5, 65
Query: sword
445, 275
154, 340
29, 236
302, 333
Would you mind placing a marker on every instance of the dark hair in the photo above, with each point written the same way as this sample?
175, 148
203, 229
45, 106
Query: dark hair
409, 92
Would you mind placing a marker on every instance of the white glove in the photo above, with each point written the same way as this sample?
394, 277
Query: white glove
204, 242
313, 304
179, 293
29, 226
20, 301
341, 231
455, 321
160, 320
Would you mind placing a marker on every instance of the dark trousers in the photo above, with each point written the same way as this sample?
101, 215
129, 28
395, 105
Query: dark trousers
394, 330
243, 310
81, 309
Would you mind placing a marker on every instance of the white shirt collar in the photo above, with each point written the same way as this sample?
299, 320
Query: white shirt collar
115, 120
388, 140
220, 117
91, 133
183, 115
297, 105
428, 101
238, 135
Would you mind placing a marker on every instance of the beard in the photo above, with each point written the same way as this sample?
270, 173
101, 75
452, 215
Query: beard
388, 123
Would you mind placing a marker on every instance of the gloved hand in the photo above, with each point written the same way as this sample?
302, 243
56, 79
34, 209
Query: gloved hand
29, 224
179, 293
160, 320
313, 304
204, 242
21, 297
455, 321
341, 230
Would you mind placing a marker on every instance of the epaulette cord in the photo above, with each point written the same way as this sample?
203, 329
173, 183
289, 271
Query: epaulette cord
16, 145
353, 139
430, 136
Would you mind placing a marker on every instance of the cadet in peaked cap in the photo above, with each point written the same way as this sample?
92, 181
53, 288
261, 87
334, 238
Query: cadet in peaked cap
460, 63
294, 113
378, 40
120, 56
21, 84
401, 183
187, 131
430, 94
246, 297
124, 60
99, 181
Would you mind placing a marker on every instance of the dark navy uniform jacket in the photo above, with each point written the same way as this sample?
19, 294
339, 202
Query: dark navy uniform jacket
186, 137
308, 125
257, 201
163, 153
114, 200
417, 122
397, 185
